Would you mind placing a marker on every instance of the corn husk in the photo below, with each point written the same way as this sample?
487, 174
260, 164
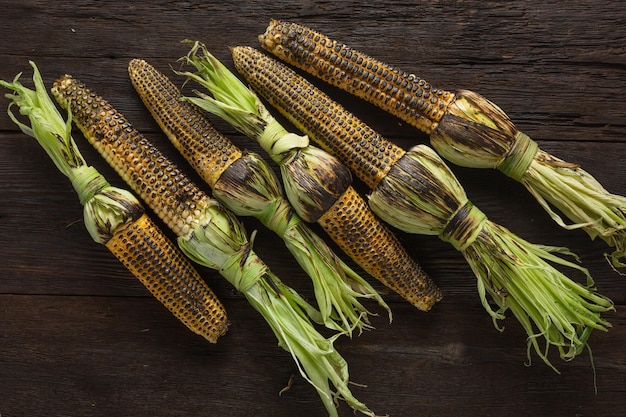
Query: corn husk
221, 243
313, 179
421, 195
476, 133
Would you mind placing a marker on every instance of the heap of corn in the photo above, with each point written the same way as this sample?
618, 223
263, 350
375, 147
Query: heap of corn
318, 185
212, 236
412, 190
246, 184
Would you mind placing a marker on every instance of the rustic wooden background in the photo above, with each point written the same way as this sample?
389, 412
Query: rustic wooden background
80, 337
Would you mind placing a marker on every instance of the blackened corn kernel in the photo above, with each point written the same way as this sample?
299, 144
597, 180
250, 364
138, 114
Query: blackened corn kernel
169, 276
327, 123
208, 152
172, 196
362, 79
353, 226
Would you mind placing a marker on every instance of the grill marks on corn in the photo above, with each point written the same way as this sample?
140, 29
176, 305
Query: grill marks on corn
209, 152
402, 94
169, 276
172, 196
365, 151
353, 226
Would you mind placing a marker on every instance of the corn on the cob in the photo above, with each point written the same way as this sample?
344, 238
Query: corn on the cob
245, 183
211, 235
317, 184
402, 94
419, 194
464, 127
116, 219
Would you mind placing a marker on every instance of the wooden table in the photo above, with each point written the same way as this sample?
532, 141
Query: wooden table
80, 337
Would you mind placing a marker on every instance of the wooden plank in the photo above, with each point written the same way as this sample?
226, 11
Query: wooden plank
80, 336
95, 356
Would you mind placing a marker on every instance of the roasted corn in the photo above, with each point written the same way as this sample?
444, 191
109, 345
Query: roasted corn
212, 236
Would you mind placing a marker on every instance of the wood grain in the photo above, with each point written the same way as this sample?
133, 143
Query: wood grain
79, 336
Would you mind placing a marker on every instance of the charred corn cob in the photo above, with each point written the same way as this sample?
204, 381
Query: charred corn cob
212, 236
416, 192
116, 219
402, 94
245, 183
465, 128
317, 184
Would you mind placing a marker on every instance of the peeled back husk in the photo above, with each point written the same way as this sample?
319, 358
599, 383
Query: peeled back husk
421, 195
476, 133
107, 209
221, 243
313, 180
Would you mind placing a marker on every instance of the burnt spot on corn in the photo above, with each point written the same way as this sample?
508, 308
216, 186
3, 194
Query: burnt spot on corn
169, 276
339, 132
362, 235
160, 183
398, 92
419, 180
318, 184
209, 152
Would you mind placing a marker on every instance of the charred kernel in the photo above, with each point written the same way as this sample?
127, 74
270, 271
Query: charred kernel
423, 120
214, 152
168, 275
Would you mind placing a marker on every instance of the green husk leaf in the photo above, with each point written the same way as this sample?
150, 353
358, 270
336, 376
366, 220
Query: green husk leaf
421, 195
220, 243
476, 133
46, 123
107, 209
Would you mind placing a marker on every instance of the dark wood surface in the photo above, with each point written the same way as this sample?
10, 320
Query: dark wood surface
80, 337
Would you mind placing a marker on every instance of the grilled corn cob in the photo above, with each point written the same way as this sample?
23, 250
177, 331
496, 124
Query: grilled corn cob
317, 184
212, 236
464, 127
116, 219
419, 194
246, 184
